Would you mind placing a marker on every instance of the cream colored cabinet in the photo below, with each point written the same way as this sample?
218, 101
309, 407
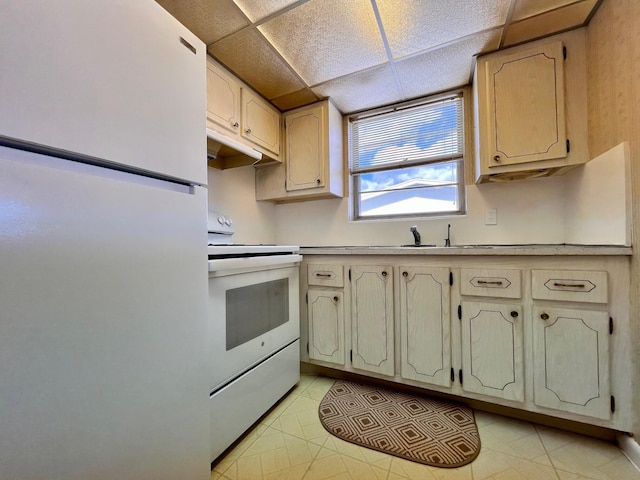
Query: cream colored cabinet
313, 166
235, 111
571, 360
571, 342
492, 333
326, 325
325, 310
223, 100
529, 332
260, 122
425, 325
492, 350
305, 134
372, 322
522, 110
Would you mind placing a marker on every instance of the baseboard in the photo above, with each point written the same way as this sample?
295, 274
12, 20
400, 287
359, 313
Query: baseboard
630, 448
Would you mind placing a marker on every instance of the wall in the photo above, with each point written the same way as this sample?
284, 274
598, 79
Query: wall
575, 208
232, 192
587, 205
613, 76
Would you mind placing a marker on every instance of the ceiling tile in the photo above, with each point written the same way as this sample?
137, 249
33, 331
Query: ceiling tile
209, 20
325, 39
295, 99
412, 26
363, 90
548, 23
445, 68
529, 8
251, 58
258, 10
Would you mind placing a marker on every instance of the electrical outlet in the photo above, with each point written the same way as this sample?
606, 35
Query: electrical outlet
491, 218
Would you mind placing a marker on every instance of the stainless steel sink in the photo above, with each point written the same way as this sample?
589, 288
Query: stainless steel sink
411, 245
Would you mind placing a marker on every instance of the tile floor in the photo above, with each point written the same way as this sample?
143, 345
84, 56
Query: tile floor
289, 443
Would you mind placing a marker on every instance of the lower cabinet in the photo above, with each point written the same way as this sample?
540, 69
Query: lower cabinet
546, 335
326, 326
325, 313
571, 361
425, 325
372, 323
492, 349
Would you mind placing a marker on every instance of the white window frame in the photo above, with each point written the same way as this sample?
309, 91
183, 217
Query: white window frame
441, 159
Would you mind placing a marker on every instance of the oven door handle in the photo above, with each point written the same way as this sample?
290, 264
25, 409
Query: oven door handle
230, 266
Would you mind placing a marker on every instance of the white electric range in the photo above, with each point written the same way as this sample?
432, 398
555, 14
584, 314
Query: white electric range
254, 323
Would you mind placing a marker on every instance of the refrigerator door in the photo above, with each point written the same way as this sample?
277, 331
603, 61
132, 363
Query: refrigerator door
103, 334
112, 79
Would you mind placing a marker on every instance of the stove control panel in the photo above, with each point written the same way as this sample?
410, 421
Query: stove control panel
220, 228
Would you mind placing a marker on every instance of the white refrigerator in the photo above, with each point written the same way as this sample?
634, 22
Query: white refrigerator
103, 272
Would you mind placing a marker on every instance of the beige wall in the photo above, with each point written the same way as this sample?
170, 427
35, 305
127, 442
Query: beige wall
613, 75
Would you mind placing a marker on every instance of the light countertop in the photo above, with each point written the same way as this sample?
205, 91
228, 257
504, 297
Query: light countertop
537, 249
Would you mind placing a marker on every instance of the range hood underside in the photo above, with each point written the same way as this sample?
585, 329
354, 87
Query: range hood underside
224, 152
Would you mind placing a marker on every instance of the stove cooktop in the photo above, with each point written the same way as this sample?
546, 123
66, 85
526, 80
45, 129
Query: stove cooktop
236, 250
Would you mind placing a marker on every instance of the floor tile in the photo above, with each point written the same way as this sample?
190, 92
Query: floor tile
290, 443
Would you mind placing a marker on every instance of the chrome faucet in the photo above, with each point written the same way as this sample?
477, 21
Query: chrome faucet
416, 235
447, 241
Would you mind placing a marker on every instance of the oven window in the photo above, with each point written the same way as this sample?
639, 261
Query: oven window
256, 309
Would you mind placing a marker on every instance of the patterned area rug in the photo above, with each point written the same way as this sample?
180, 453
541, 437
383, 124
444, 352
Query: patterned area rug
421, 429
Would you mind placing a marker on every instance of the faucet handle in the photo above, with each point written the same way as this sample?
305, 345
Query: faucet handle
447, 241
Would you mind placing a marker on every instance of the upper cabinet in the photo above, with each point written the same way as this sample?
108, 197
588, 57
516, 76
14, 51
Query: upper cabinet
260, 122
525, 93
313, 166
237, 112
223, 100
528, 110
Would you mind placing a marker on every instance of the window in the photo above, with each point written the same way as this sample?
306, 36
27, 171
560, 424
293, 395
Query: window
407, 160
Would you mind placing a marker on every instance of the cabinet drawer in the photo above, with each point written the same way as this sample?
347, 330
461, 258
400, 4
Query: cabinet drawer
569, 285
482, 282
325, 275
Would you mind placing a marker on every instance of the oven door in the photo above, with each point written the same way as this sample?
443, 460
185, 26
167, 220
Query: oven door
253, 313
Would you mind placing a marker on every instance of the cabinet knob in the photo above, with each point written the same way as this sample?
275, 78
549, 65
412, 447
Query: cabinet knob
335, 299
248, 131
318, 181
384, 274
496, 158
235, 124
405, 274
514, 314
544, 316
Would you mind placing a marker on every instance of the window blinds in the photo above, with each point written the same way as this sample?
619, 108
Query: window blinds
409, 135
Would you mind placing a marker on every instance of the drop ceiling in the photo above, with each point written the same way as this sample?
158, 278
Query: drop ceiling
366, 53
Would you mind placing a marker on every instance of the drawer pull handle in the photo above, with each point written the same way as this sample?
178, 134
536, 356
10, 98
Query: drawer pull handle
324, 275
569, 285
544, 316
488, 282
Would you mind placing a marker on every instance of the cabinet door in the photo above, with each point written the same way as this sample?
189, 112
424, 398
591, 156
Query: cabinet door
492, 355
305, 136
326, 326
260, 122
571, 356
372, 318
525, 93
223, 99
425, 325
